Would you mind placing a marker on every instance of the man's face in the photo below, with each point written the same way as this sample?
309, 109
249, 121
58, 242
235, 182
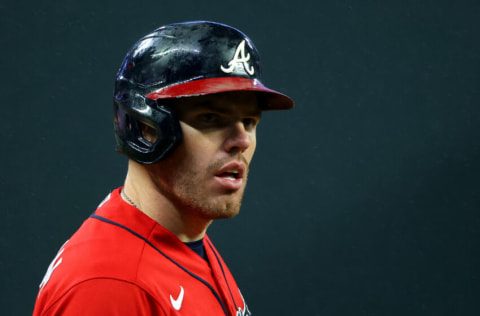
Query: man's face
207, 173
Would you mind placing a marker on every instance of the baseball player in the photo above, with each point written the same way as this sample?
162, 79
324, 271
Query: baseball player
187, 101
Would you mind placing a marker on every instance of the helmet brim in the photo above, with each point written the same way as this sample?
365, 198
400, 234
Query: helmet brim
274, 99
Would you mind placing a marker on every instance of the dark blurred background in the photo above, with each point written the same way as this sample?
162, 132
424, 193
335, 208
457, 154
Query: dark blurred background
363, 200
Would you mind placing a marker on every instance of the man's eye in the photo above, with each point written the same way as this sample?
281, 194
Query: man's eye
209, 117
249, 123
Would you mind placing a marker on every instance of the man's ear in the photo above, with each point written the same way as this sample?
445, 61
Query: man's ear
149, 133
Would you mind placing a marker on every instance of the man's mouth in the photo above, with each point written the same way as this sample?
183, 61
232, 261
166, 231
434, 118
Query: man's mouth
229, 175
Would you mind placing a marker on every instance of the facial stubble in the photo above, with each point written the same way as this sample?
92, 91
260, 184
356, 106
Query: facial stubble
188, 191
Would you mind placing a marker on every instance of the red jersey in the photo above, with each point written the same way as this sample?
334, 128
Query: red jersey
122, 262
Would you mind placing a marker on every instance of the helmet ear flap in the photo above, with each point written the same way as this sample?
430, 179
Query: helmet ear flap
129, 121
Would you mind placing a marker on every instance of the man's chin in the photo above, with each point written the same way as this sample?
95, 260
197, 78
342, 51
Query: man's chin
214, 211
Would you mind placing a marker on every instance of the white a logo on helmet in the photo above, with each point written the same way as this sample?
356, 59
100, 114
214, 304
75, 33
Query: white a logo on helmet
239, 61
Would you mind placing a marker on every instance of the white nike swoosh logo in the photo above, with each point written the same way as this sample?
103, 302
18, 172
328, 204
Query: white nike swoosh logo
177, 304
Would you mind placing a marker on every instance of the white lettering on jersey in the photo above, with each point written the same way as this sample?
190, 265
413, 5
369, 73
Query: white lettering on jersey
245, 311
105, 200
53, 265
239, 58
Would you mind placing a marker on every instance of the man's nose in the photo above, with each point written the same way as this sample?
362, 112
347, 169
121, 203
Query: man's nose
238, 138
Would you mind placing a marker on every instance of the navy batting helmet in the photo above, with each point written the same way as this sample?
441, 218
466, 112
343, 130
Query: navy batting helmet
181, 60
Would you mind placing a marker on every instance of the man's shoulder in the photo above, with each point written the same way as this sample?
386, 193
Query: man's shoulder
100, 296
98, 253
99, 249
95, 251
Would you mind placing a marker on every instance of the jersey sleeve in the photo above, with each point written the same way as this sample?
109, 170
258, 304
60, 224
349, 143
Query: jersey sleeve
106, 297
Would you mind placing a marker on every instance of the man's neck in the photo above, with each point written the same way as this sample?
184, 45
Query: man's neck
142, 193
